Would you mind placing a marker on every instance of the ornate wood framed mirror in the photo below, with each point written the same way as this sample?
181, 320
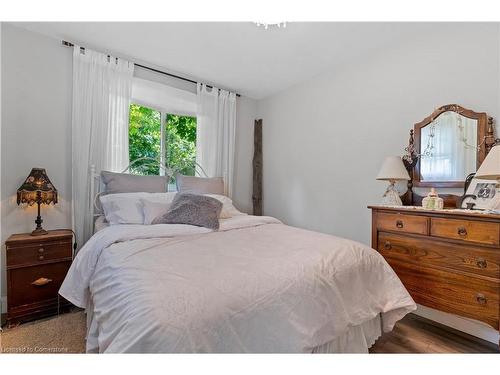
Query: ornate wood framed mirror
445, 148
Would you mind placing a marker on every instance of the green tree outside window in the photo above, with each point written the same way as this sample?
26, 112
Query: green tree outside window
145, 140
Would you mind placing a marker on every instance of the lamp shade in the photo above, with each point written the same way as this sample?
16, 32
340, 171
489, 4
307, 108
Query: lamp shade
393, 169
37, 188
490, 168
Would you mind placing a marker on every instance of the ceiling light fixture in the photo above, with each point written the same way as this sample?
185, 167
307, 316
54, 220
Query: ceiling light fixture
267, 25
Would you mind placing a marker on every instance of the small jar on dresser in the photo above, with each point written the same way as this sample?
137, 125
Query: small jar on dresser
36, 268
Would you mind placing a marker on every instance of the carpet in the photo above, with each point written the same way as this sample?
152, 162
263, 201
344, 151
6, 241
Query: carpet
62, 334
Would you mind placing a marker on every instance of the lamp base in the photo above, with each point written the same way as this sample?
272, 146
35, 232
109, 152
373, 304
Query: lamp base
39, 232
391, 196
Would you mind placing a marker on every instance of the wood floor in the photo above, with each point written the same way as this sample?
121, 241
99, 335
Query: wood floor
414, 334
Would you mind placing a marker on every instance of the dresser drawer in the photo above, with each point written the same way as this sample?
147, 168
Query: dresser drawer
402, 223
466, 230
38, 253
27, 292
451, 292
423, 252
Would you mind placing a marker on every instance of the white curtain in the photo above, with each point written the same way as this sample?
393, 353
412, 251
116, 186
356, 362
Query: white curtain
215, 135
102, 88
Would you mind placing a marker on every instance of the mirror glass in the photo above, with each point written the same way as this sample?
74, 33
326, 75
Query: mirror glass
448, 147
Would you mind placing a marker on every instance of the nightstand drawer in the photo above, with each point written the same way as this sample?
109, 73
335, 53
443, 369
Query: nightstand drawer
466, 230
36, 283
38, 253
402, 223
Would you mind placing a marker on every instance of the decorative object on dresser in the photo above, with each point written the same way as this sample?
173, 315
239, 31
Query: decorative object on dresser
38, 189
392, 170
432, 201
448, 260
444, 148
481, 194
36, 268
490, 170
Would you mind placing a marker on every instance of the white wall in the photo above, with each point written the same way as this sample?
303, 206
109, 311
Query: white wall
36, 129
324, 140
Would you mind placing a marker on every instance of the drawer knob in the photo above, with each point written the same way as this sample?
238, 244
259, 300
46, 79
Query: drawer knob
41, 281
399, 224
481, 299
462, 231
481, 263
41, 250
387, 245
41, 257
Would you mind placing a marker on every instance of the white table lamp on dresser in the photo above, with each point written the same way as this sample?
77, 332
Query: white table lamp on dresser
392, 170
490, 170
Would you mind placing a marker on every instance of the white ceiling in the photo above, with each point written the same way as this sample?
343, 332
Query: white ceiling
238, 56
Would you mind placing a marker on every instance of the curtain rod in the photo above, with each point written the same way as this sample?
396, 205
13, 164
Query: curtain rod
69, 44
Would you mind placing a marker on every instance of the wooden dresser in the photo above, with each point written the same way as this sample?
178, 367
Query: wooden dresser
36, 268
448, 260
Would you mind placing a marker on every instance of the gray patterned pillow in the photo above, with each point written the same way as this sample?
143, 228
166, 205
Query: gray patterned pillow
192, 209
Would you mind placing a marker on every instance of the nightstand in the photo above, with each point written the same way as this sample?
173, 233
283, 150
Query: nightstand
36, 268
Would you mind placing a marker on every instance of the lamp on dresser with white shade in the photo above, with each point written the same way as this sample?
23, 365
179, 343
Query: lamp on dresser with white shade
392, 170
490, 170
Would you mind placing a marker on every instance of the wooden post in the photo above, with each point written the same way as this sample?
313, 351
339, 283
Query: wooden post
257, 168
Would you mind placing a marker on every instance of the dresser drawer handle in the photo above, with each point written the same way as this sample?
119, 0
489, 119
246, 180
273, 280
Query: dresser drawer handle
462, 231
481, 263
41, 281
481, 299
41, 257
399, 224
41, 250
387, 245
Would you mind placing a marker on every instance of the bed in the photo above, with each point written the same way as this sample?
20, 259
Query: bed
255, 285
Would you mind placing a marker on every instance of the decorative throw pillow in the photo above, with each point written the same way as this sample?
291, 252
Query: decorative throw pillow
199, 185
192, 209
131, 183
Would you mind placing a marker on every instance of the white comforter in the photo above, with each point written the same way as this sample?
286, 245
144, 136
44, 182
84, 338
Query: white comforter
256, 285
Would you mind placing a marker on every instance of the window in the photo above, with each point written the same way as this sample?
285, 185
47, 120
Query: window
170, 138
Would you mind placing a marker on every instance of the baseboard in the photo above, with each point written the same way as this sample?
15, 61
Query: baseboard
3, 304
470, 326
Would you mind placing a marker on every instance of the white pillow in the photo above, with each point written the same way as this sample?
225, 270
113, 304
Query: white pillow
153, 208
127, 208
228, 210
